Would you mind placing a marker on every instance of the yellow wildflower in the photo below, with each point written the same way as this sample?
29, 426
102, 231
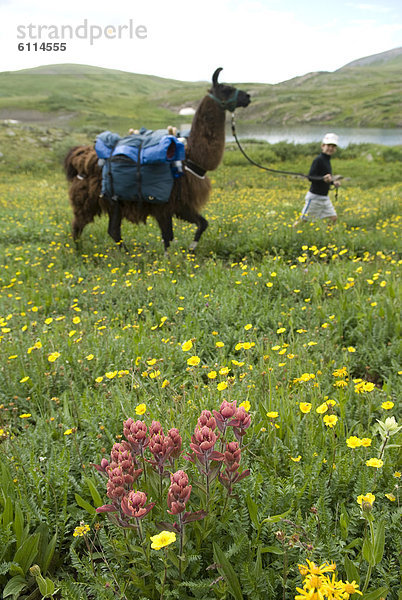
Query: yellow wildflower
377, 463
314, 569
330, 420
366, 498
350, 588
364, 386
186, 346
304, 377
193, 361
342, 372
81, 530
305, 407
111, 374
140, 409
53, 356
341, 383
353, 442
164, 538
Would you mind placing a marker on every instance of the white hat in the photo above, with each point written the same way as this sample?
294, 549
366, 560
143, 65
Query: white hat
330, 138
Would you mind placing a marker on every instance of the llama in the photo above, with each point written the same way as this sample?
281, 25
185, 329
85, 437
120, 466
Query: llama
190, 192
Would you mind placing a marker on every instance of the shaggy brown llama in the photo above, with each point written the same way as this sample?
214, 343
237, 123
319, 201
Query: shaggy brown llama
190, 192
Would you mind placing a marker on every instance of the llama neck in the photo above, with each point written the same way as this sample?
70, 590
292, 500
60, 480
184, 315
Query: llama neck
206, 142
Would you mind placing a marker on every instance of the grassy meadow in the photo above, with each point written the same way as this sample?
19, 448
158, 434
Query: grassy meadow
291, 335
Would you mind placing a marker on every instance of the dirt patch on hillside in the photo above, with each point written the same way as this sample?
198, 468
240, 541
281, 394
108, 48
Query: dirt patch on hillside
35, 116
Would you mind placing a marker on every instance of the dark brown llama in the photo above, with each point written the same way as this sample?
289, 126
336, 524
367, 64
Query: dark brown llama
190, 192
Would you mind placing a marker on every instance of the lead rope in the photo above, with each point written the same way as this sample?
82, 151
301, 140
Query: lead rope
250, 160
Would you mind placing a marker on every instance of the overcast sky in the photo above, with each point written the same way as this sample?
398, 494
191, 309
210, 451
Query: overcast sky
254, 41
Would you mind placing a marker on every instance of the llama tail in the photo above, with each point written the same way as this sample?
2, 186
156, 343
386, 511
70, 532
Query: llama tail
81, 161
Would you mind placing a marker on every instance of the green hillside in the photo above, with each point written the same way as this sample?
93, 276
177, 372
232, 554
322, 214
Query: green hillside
84, 98
361, 94
80, 96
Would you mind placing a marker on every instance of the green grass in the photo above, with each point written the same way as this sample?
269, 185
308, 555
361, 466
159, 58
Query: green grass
264, 305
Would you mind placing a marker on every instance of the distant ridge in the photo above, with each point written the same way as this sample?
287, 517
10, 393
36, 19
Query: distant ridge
81, 69
64, 69
382, 57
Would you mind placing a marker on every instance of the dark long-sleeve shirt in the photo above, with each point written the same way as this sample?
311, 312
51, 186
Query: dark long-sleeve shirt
320, 166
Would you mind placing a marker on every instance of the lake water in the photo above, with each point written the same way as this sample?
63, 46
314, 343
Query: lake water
314, 133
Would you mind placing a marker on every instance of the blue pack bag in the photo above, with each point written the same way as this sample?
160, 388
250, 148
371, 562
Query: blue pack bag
139, 167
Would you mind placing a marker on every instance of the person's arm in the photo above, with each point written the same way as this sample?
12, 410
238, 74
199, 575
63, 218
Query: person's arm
314, 170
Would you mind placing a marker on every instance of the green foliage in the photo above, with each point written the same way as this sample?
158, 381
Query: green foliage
226, 570
392, 154
20, 548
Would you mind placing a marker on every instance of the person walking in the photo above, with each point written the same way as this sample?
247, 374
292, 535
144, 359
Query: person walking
317, 203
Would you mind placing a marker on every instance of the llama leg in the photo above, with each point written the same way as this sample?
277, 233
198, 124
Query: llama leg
76, 228
81, 215
187, 214
166, 226
80, 220
201, 227
84, 203
114, 228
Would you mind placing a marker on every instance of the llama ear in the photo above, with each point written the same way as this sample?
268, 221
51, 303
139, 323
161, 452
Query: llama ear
215, 76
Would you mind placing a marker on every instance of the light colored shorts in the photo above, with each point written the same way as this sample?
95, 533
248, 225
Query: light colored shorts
317, 207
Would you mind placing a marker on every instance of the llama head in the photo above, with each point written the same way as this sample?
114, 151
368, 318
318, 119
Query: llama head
227, 96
